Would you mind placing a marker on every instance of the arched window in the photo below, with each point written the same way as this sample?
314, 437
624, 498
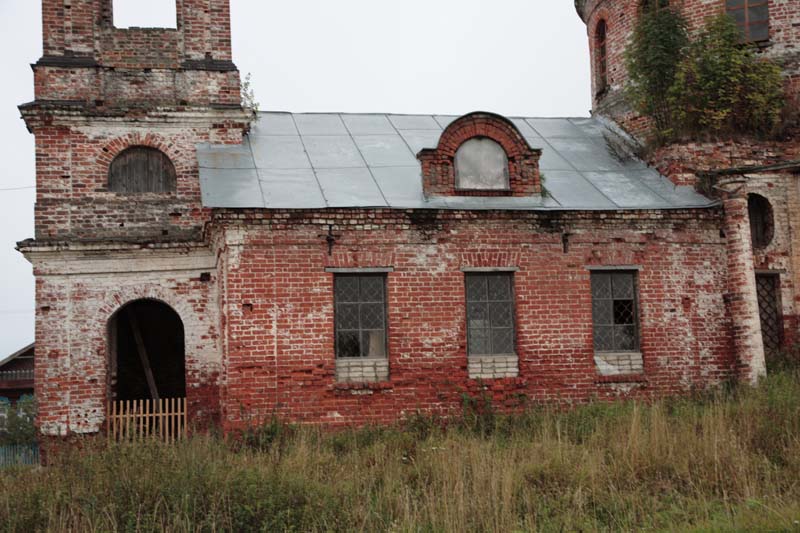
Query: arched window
141, 169
481, 164
762, 222
601, 52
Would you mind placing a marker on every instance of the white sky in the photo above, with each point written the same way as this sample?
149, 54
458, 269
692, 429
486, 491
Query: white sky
513, 57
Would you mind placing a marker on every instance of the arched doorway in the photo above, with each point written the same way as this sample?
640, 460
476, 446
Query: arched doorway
147, 352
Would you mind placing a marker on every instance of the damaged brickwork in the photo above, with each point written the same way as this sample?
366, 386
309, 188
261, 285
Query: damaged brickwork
254, 288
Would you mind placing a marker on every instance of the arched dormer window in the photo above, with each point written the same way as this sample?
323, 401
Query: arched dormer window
601, 51
481, 164
762, 220
141, 169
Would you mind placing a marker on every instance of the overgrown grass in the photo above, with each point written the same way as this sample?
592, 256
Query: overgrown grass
729, 461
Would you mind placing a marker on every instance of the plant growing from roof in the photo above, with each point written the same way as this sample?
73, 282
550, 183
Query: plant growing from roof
249, 102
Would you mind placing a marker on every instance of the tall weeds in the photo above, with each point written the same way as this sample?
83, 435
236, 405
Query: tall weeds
728, 461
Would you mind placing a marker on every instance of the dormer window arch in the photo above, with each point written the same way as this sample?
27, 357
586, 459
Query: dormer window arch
481, 163
481, 154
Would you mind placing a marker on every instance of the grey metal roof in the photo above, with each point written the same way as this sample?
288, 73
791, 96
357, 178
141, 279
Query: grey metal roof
318, 160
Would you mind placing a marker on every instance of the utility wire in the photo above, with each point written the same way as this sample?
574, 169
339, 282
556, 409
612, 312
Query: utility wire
17, 188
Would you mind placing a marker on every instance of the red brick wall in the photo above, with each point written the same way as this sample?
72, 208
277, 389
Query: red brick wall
78, 293
73, 200
86, 58
278, 307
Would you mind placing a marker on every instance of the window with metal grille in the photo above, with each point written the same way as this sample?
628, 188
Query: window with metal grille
762, 221
481, 164
142, 169
752, 17
490, 314
360, 315
614, 311
601, 48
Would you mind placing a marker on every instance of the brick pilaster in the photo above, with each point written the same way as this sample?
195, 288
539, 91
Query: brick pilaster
743, 300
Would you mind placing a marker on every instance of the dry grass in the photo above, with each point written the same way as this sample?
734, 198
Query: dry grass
730, 462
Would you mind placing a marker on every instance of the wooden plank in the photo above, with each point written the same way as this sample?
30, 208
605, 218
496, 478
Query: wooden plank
140, 347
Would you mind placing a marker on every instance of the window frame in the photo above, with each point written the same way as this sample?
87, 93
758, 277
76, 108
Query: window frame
746, 26
601, 50
762, 221
506, 173
336, 315
637, 341
114, 182
512, 302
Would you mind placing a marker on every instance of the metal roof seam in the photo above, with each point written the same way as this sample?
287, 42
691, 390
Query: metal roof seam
264, 200
310, 162
364, 159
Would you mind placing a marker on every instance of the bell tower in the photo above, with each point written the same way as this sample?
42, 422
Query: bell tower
117, 116
101, 90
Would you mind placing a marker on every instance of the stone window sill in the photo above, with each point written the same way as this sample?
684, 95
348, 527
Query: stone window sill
614, 364
360, 371
492, 366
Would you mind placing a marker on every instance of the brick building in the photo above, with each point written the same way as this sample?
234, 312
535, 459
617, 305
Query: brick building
348, 269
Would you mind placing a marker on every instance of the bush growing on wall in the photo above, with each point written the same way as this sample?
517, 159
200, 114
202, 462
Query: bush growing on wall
658, 44
721, 87
713, 85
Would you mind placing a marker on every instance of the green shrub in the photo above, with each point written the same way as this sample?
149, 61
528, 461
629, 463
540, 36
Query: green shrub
658, 44
722, 88
709, 86
19, 425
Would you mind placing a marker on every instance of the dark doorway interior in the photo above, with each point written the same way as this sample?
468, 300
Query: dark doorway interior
147, 352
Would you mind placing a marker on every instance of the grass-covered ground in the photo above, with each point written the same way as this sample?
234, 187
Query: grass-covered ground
726, 462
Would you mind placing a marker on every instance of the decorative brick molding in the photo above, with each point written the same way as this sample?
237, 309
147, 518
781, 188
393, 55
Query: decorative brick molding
438, 164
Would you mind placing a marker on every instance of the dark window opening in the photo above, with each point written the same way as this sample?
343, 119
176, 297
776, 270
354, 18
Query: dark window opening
614, 311
141, 169
360, 315
601, 48
762, 222
147, 352
752, 17
490, 314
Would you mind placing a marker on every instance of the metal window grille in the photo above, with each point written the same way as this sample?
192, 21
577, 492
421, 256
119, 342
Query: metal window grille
490, 314
769, 310
602, 56
752, 17
360, 315
614, 311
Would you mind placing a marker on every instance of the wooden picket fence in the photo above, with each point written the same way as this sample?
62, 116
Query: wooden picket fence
135, 420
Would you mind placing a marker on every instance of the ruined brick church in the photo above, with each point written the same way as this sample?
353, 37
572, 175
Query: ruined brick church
350, 269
